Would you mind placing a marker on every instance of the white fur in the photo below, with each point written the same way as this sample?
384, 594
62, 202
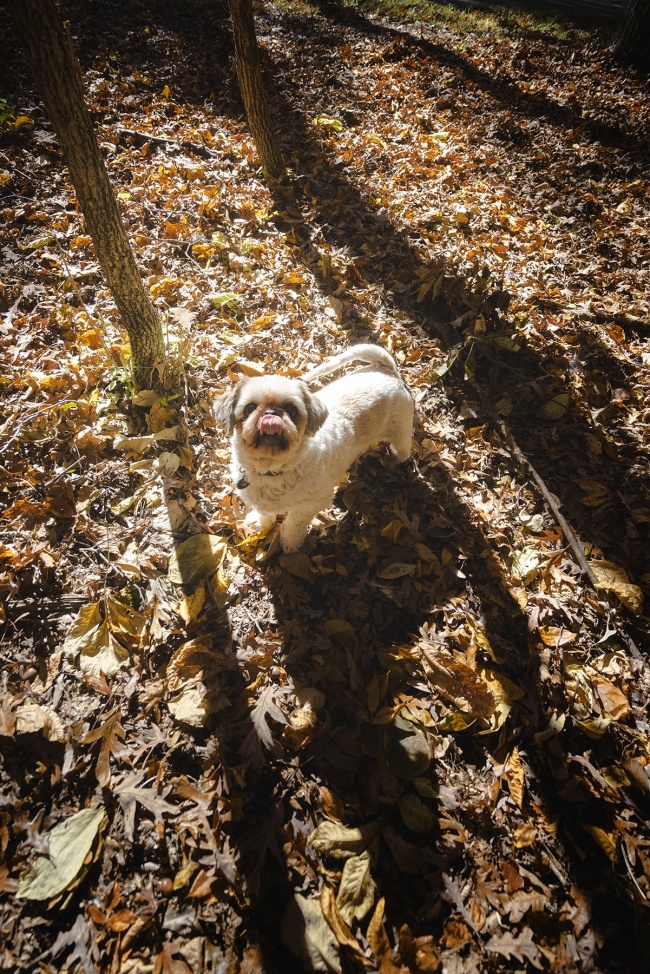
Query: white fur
365, 407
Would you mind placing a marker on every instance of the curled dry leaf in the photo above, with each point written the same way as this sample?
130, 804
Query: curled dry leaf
33, 717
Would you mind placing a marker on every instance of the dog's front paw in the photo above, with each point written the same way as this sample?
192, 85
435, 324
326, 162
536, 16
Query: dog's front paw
255, 522
293, 534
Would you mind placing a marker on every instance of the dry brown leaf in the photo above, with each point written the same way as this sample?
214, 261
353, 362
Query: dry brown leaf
379, 943
515, 777
612, 578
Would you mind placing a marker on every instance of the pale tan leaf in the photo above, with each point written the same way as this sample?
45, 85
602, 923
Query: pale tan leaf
196, 558
342, 842
191, 606
356, 892
308, 935
612, 578
70, 842
32, 717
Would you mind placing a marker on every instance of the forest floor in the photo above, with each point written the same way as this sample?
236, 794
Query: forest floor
422, 742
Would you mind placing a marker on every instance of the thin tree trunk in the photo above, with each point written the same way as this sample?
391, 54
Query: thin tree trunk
58, 77
633, 39
249, 75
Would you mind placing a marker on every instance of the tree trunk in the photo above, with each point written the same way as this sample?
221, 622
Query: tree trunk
633, 39
58, 77
249, 75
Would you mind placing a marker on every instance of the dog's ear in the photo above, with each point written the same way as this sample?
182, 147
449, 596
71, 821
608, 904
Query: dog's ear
316, 411
224, 411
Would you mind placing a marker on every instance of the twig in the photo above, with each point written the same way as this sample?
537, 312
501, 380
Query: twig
142, 137
601, 317
549, 499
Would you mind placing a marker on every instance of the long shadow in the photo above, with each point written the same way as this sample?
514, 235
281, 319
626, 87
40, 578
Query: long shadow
563, 787
552, 763
346, 219
503, 88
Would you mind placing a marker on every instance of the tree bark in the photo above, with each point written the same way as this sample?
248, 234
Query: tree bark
632, 42
249, 75
57, 75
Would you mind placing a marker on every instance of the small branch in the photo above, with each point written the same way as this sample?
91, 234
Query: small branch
141, 137
549, 499
601, 317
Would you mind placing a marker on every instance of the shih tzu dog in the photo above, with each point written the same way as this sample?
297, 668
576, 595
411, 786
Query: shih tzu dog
291, 446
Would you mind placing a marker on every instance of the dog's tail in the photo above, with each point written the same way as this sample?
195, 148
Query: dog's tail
373, 355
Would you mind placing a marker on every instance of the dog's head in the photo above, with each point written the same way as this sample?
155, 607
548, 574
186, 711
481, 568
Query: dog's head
270, 416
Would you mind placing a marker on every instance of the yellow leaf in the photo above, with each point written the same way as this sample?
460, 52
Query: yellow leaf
555, 408
337, 924
357, 889
605, 840
190, 606
524, 836
610, 577
557, 636
338, 627
196, 558
516, 778
379, 943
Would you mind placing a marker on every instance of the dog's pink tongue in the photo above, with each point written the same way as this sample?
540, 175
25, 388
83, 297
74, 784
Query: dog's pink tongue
271, 424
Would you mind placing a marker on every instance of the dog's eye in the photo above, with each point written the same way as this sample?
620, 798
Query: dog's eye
249, 408
290, 409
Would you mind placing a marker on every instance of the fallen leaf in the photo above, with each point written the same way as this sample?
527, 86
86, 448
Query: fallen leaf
33, 717
356, 892
343, 842
69, 844
308, 935
379, 943
612, 578
197, 558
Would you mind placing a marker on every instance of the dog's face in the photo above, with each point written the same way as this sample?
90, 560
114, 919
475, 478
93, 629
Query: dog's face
270, 416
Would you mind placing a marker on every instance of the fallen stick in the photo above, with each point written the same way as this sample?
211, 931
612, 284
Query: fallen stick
549, 499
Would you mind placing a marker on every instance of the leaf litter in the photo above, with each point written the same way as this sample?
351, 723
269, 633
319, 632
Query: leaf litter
421, 743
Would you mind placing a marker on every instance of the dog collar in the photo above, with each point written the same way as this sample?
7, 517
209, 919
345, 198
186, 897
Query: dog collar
243, 482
